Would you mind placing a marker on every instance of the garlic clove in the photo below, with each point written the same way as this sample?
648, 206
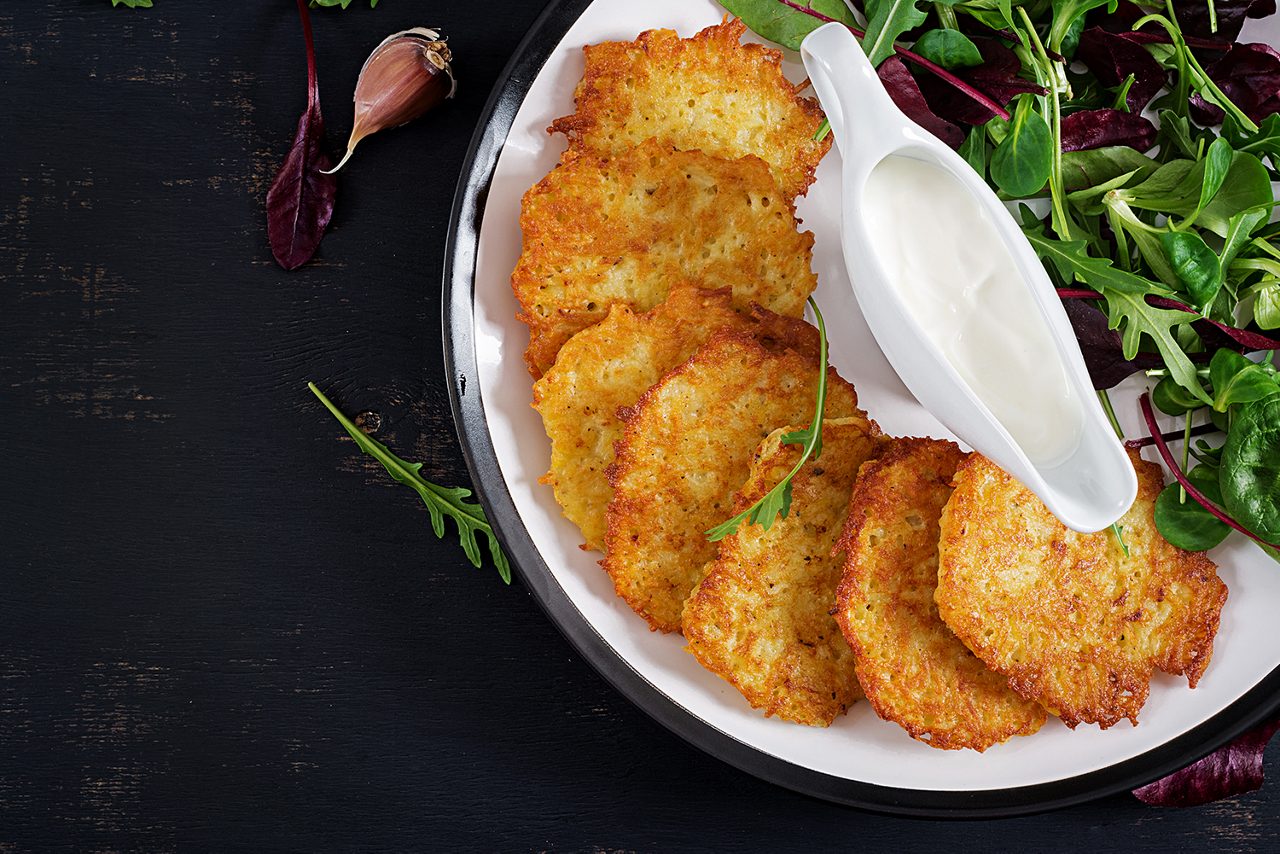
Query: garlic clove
405, 76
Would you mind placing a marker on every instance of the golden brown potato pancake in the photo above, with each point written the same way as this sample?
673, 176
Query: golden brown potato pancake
761, 617
708, 93
914, 670
605, 230
608, 366
1075, 623
685, 450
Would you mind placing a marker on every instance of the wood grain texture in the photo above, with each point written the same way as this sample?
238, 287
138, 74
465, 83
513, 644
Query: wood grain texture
221, 628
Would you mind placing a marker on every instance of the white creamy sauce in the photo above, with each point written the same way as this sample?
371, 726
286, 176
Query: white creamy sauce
942, 252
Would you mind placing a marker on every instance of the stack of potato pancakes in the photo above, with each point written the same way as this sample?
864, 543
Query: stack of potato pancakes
663, 278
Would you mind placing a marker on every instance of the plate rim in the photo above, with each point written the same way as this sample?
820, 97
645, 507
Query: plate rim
461, 369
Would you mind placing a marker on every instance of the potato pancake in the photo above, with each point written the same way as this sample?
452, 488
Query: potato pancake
608, 366
1075, 623
708, 93
605, 230
761, 618
686, 448
914, 670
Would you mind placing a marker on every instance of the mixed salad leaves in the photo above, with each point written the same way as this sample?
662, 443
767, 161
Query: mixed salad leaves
1142, 141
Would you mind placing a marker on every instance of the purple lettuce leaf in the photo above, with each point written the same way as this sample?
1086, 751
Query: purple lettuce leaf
997, 78
1193, 16
1229, 771
905, 92
1087, 129
1102, 348
1112, 58
1249, 74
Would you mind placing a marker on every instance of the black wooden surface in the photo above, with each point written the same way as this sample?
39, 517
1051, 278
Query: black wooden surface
220, 627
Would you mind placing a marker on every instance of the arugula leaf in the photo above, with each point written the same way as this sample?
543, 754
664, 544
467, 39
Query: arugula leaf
886, 21
132, 4
777, 501
784, 25
1127, 308
1022, 162
948, 48
441, 501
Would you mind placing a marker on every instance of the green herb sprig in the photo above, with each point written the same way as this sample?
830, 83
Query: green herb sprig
441, 501
777, 501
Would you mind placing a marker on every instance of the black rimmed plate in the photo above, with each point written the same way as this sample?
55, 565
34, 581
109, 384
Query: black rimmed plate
860, 760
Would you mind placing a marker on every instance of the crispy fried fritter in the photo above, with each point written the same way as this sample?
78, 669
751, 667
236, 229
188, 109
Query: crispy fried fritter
608, 366
709, 93
686, 448
623, 229
1073, 622
914, 670
761, 618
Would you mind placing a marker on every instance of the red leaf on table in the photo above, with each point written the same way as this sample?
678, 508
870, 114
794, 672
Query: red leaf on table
300, 201
1225, 773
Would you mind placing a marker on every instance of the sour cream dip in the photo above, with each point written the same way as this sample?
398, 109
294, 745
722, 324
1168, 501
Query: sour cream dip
942, 253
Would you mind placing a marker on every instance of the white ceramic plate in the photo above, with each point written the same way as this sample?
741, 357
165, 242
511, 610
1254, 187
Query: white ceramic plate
860, 759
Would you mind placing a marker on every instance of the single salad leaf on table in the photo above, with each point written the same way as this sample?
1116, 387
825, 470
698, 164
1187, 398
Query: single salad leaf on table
441, 501
783, 24
1229, 771
300, 200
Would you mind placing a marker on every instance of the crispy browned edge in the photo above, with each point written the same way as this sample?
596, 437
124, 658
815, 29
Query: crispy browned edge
772, 328
544, 342
1205, 625
729, 31
786, 334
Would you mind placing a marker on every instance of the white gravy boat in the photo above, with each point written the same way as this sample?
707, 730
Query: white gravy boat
1093, 485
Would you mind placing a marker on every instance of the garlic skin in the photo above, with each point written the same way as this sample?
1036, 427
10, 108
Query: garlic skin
405, 76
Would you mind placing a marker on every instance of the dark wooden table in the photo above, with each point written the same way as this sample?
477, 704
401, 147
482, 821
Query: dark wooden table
221, 627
